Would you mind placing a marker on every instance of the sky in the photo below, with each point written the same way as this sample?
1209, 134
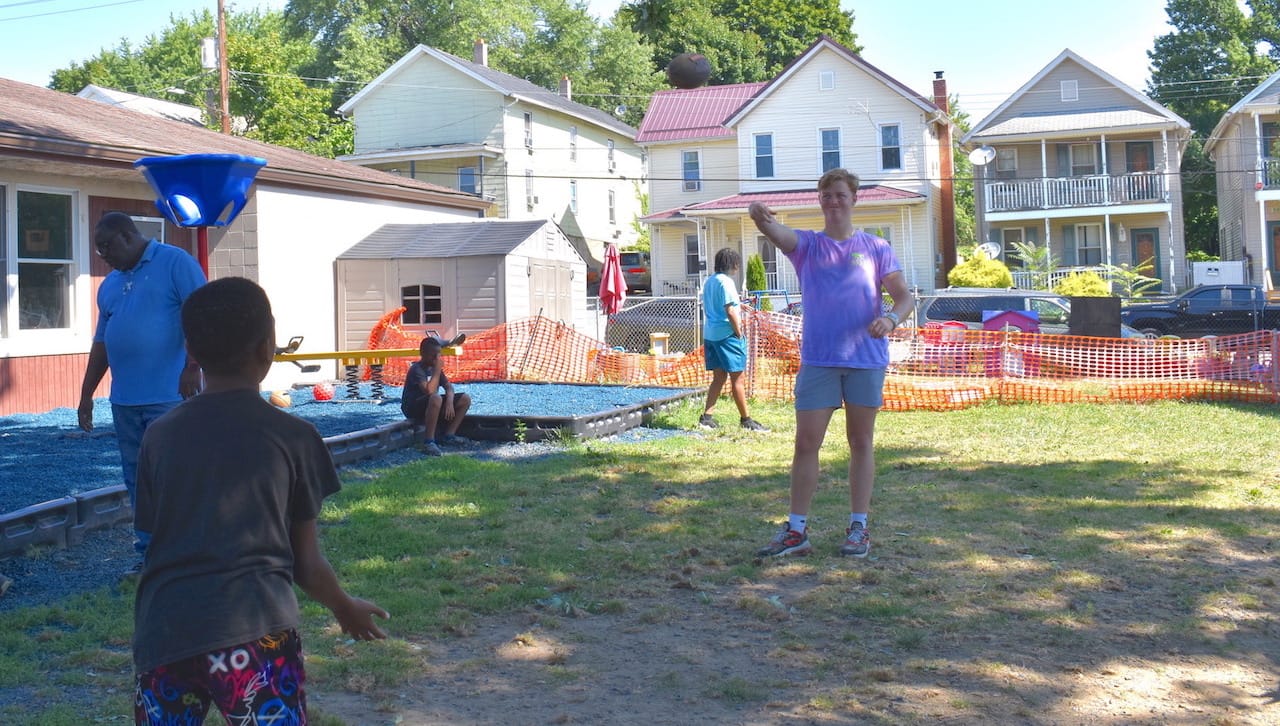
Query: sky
987, 49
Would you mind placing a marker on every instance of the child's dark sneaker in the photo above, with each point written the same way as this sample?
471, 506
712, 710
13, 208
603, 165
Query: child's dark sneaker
453, 440
707, 421
786, 543
432, 449
751, 424
857, 542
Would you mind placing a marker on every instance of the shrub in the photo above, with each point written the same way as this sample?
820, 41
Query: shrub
757, 280
1083, 284
980, 271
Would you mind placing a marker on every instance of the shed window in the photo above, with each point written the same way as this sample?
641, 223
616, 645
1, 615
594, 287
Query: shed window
45, 257
422, 304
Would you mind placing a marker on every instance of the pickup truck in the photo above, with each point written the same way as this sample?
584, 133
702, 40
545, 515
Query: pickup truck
1205, 310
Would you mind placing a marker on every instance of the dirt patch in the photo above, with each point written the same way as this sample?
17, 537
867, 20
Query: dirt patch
754, 653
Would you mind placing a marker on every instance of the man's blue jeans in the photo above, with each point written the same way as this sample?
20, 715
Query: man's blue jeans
131, 423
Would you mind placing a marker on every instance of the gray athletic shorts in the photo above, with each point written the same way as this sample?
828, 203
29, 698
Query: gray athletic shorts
819, 387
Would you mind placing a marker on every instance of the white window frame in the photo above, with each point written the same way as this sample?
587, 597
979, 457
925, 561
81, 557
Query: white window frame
529, 200
896, 148
573, 196
14, 339
694, 183
613, 162
1008, 236
613, 207
826, 80
475, 179
692, 256
528, 130
825, 151
1092, 167
573, 143
1069, 90
422, 295
1088, 233
759, 157
1006, 159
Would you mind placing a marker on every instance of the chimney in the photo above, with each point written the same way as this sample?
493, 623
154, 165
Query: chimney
566, 88
946, 186
480, 54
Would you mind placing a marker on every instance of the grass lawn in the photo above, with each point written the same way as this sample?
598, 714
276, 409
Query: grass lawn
1030, 564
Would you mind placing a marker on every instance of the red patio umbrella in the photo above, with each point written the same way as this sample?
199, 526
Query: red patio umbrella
613, 286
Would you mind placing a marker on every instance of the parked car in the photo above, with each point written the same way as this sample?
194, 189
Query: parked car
1205, 310
635, 270
678, 317
967, 304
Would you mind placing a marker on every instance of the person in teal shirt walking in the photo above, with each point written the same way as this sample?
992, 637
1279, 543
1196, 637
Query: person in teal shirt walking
724, 340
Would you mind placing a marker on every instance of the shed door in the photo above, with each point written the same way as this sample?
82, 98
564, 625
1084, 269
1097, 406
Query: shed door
550, 292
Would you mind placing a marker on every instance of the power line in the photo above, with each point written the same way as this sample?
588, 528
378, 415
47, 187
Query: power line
64, 12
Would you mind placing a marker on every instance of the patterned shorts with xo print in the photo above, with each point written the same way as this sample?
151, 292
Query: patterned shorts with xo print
257, 683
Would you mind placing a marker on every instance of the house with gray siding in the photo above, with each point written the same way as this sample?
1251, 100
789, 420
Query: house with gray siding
1081, 163
1245, 149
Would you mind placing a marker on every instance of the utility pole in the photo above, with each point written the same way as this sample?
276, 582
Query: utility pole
223, 107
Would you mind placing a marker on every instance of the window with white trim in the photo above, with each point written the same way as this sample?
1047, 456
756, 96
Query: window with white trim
573, 143
1084, 159
423, 304
613, 207
46, 253
573, 195
529, 199
1009, 238
691, 170
1007, 159
826, 80
1070, 90
1088, 244
4, 267
467, 179
528, 130
890, 146
692, 260
764, 155
830, 140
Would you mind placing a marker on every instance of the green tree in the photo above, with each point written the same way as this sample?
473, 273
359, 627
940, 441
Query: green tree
1199, 70
1129, 281
758, 280
962, 180
1038, 261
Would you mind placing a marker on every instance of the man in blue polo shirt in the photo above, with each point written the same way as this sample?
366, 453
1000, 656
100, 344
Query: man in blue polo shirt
139, 338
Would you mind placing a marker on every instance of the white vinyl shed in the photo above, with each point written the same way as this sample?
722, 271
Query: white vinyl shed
463, 277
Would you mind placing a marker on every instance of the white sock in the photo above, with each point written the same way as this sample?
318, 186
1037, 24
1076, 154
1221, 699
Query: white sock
859, 518
797, 522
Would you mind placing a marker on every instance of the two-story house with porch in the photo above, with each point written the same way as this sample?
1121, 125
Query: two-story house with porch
1245, 149
1078, 161
715, 150
535, 153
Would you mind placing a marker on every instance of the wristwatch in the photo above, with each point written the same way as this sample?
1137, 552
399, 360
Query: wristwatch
894, 317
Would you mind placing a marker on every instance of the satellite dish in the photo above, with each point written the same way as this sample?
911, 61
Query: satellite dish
620, 110
982, 156
990, 249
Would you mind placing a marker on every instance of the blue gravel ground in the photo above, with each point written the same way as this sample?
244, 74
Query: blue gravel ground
46, 456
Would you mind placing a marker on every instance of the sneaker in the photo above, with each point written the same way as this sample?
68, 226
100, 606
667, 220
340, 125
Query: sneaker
787, 542
707, 421
857, 542
432, 449
751, 424
453, 440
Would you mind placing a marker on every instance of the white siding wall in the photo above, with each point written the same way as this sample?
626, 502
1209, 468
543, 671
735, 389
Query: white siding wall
857, 106
1045, 97
666, 173
427, 103
299, 237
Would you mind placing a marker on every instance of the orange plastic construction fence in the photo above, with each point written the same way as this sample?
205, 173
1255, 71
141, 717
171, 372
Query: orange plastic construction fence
935, 368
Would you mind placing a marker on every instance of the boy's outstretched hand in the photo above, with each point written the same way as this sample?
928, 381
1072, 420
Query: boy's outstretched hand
356, 619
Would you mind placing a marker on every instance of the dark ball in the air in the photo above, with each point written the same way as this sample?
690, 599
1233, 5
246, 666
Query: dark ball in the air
688, 70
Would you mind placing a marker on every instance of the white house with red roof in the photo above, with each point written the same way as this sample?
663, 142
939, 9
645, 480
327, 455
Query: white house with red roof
715, 150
